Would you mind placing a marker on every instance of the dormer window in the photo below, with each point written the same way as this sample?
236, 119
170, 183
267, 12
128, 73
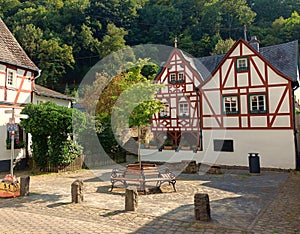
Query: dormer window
242, 64
10, 78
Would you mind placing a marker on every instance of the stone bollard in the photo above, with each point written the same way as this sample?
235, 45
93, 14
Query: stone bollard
191, 167
202, 208
77, 191
24, 185
131, 199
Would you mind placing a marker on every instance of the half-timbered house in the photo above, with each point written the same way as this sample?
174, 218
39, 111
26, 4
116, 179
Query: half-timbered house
17, 74
245, 104
178, 122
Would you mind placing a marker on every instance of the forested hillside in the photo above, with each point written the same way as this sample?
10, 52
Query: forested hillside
66, 37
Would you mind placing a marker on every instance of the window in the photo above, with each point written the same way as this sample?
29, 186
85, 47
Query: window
183, 109
10, 78
181, 77
165, 113
175, 78
172, 78
258, 103
223, 145
242, 64
230, 105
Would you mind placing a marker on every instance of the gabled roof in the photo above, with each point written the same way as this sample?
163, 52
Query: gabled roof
11, 52
211, 62
284, 57
194, 63
45, 92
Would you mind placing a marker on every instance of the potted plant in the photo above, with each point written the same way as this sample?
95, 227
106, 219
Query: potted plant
168, 145
17, 144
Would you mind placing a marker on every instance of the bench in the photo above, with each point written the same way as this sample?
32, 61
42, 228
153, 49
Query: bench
146, 176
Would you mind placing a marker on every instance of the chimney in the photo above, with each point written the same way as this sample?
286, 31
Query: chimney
254, 43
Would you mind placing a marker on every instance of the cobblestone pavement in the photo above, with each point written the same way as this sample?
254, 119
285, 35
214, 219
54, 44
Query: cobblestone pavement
240, 203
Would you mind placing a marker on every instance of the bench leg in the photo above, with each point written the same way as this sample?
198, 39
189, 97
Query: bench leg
173, 184
112, 186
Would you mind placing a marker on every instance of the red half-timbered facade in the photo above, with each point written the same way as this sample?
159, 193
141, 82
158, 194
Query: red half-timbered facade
245, 104
247, 92
179, 121
17, 74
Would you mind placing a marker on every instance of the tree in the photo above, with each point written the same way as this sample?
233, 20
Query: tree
222, 46
113, 40
135, 107
54, 58
235, 14
51, 128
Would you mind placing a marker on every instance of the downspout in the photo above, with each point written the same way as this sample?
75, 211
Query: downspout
199, 118
295, 86
27, 134
38, 75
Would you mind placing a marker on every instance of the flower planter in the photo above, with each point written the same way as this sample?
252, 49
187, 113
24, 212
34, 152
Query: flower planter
152, 147
167, 147
185, 147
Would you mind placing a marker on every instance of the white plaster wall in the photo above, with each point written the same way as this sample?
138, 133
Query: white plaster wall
2, 79
275, 147
57, 101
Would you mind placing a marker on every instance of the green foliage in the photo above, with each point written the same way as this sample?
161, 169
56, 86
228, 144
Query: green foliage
222, 46
106, 135
55, 59
67, 37
51, 127
62, 153
17, 144
137, 104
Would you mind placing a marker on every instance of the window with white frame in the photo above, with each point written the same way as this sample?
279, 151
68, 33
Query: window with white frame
257, 103
165, 113
230, 104
181, 77
175, 78
183, 109
242, 64
10, 78
172, 78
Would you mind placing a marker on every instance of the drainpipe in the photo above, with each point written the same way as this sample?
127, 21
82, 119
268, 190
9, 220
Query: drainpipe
199, 117
38, 75
295, 86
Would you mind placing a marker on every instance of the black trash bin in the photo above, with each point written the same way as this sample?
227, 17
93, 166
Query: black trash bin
254, 165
